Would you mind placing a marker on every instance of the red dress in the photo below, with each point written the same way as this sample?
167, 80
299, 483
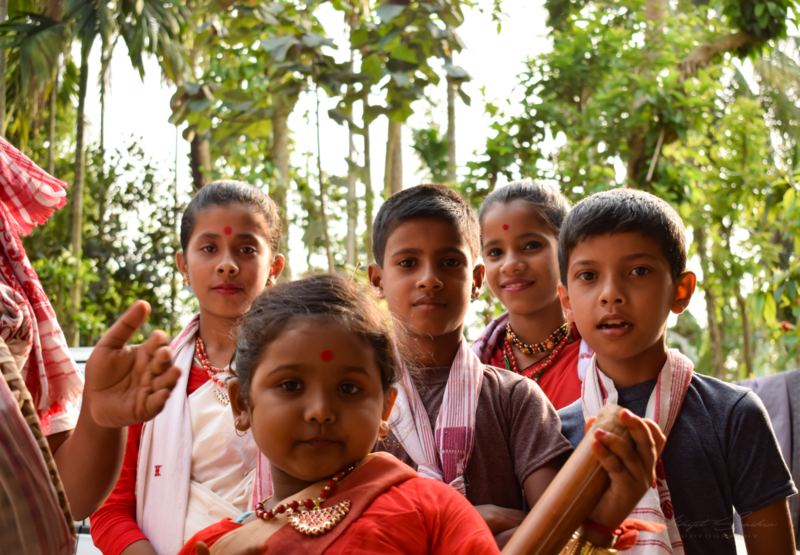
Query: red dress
417, 516
560, 383
113, 526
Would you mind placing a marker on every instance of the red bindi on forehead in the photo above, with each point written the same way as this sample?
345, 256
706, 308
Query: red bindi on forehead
326, 355
228, 230
505, 227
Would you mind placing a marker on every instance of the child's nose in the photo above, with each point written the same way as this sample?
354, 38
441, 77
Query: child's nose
318, 409
429, 280
611, 293
227, 267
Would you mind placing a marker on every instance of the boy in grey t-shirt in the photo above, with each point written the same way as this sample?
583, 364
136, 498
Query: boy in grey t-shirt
622, 255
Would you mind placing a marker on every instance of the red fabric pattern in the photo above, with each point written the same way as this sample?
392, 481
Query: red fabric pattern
113, 526
28, 196
560, 383
418, 516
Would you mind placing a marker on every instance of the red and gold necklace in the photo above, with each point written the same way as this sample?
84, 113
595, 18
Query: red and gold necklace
314, 520
537, 369
562, 331
221, 393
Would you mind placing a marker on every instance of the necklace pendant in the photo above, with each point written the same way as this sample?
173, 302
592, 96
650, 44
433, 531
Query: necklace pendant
319, 521
222, 397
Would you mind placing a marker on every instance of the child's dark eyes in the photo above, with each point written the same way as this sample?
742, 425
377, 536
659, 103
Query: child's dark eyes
493, 252
406, 263
452, 262
532, 245
349, 388
586, 276
640, 271
208, 248
248, 250
291, 386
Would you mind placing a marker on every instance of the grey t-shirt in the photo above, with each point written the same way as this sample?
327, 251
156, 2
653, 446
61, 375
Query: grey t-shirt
721, 453
517, 431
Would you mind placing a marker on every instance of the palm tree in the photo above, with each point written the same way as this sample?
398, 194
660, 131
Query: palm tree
150, 26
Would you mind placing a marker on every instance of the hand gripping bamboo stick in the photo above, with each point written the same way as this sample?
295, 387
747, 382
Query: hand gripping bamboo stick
570, 497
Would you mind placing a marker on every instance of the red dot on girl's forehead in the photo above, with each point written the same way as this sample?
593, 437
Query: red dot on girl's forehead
228, 230
505, 227
327, 355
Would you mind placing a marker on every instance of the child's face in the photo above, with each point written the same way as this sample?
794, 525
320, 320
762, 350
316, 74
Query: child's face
521, 256
316, 400
620, 292
228, 259
427, 277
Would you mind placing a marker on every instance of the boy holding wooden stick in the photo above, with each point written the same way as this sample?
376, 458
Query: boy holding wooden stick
622, 255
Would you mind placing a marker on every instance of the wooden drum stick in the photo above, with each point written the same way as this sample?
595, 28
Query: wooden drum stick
570, 497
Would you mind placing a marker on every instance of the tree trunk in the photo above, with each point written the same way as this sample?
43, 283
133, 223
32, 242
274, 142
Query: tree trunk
393, 169
369, 194
397, 159
451, 132
200, 160
77, 196
326, 239
279, 154
3, 122
747, 349
51, 125
352, 203
714, 335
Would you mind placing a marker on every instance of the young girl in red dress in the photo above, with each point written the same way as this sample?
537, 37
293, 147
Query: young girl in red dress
315, 378
519, 233
187, 469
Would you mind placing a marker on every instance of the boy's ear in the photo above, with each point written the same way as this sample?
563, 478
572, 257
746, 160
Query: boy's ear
684, 289
241, 414
478, 275
563, 294
180, 260
375, 275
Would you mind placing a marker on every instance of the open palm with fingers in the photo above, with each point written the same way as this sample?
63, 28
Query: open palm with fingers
127, 385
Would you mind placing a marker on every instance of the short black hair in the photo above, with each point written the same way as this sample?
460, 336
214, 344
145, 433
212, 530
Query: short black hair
624, 211
546, 199
225, 192
324, 297
436, 202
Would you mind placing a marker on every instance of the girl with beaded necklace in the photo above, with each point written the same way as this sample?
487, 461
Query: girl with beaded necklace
187, 468
519, 234
315, 383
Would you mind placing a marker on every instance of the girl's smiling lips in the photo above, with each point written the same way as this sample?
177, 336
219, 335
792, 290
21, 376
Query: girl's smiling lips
227, 288
516, 284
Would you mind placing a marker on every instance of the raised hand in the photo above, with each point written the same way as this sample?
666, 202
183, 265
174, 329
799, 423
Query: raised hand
129, 384
202, 549
632, 469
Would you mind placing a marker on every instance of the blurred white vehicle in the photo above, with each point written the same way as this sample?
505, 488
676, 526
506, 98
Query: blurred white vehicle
85, 545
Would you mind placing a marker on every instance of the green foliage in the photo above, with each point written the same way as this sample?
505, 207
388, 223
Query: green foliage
432, 152
128, 246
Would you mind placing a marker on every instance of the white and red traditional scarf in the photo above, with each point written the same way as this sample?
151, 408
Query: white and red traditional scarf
663, 407
166, 446
28, 196
490, 339
441, 454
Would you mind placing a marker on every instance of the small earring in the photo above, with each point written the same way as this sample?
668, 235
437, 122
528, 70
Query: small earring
186, 281
383, 431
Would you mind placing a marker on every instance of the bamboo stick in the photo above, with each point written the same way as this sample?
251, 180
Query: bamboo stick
570, 497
